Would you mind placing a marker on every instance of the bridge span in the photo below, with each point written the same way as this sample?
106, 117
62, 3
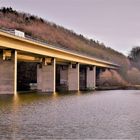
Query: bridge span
51, 62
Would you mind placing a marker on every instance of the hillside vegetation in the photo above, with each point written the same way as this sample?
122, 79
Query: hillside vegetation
58, 35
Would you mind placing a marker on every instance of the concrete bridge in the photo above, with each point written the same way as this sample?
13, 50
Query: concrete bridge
56, 65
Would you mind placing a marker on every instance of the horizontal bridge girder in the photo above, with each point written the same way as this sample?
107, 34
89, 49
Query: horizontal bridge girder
21, 57
27, 46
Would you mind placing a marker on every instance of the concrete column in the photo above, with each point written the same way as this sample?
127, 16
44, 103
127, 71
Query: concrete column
39, 77
64, 76
46, 77
73, 77
8, 72
91, 77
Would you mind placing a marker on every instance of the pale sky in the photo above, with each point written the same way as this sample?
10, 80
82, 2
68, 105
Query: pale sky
116, 23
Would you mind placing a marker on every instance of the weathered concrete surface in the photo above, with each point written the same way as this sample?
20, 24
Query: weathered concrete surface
46, 78
7, 75
39, 77
73, 78
64, 76
91, 78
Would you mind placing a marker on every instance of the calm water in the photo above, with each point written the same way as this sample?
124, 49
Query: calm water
94, 115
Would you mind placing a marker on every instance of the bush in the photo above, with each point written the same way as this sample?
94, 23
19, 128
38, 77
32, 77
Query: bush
134, 76
111, 78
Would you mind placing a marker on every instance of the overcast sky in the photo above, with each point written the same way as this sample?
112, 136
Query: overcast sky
116, 23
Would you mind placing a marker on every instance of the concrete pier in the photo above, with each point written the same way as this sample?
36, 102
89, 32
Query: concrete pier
91, 77
8, 72
73, 77
46, 76
39, 77
64, 78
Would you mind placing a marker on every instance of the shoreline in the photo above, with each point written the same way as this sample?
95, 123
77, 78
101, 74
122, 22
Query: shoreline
130, 87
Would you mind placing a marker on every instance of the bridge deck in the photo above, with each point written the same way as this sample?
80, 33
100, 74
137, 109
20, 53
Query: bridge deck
26, 46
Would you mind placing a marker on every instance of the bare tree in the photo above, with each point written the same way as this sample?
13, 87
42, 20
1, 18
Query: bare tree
135, 54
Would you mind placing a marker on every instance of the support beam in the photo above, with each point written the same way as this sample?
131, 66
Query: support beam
46, 77
28, 58
8, 72
15, 72
91, 77
73, 77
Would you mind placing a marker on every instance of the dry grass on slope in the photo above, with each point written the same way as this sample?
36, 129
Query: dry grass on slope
58, 35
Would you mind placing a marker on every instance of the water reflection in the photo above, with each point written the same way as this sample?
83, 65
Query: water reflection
91, 115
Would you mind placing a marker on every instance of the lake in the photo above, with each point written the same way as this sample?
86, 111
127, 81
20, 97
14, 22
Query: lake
113, 114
